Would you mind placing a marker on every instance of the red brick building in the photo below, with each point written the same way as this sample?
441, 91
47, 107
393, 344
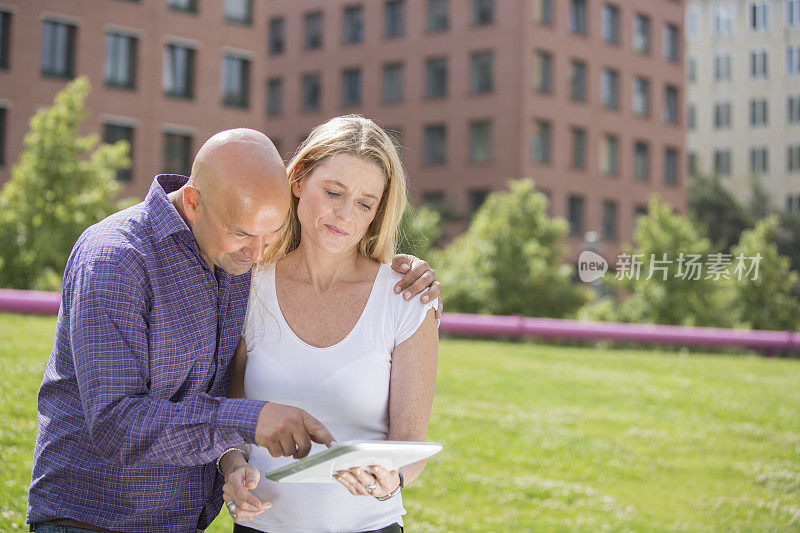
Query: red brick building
584, 96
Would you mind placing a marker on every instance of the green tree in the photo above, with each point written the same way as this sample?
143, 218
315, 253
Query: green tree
760, 200
419, 230
671, 296
765, 299
510, 260
787, 237
721, 215
61, 184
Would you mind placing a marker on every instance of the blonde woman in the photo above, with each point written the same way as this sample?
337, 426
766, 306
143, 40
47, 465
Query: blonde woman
325, 333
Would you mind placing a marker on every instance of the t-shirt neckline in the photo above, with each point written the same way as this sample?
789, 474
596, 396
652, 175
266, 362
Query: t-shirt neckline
294, 335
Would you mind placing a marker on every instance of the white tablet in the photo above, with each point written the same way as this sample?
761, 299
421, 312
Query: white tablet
322, 467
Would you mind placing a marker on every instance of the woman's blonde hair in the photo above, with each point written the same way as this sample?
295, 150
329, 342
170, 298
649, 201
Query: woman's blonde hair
360, 137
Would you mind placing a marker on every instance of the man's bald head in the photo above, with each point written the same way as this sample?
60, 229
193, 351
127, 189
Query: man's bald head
241, 159
237, 198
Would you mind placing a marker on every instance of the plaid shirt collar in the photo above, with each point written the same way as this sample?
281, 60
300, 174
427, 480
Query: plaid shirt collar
164, 218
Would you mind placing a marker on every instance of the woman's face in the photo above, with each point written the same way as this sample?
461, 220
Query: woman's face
338, 201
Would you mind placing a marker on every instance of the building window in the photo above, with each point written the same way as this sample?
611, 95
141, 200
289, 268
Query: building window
609, 221
480, 141
433, 199
759, 16
671, 42
5, 39
575, 214
793, 158
670, 166
58, 49
438, 15
482, 12
178, 71
353, 30
117, 132
641, 161
793, 60
393, 82
475, 200
577, 17
691, 117
723, 20
120, 61
541, 142
435, 137
543, 12
183, 5
609, 88
722, 162
274, 96
671, 104
641, 34
481, 67
351, 87
277, 35
609, 155
240, 11
312, 30
792, 13
722, 115
436, 77
793, 109
759, 112
395, 18
312, 91
177, 154
691, 164
3, 113
759, 64
638, 212
691, 70
577, 81
722, 67
610, 24
759, 160
641, 96
578, 148
235, 81
542, 71
692, 23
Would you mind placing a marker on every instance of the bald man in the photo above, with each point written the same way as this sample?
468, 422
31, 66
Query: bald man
132, 409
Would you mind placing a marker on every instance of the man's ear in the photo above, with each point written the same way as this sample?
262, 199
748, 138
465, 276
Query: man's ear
191, 201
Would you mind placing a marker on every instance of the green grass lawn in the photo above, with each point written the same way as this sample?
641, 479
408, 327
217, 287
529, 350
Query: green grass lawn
546, 438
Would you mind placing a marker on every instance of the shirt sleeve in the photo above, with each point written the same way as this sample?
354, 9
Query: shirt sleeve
411, 315
109, 343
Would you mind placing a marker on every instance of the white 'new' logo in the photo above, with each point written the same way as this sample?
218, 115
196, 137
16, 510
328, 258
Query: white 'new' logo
591, 266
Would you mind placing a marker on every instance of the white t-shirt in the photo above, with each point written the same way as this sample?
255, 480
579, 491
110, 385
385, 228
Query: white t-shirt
344, 386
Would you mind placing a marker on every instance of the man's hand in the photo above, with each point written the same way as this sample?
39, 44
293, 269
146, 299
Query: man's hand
285, 430
240, 502
419, 276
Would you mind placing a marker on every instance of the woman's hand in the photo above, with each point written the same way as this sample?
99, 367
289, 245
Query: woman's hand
361, 483
241, 503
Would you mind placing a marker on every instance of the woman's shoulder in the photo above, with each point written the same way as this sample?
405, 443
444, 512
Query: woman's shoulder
388, 279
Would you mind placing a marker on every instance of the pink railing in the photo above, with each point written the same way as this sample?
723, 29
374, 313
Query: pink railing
769, 342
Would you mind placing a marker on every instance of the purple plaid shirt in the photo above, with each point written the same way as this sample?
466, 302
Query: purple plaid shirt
132, 408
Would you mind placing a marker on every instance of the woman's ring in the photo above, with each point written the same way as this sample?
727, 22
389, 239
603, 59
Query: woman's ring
371, 488
232, 507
